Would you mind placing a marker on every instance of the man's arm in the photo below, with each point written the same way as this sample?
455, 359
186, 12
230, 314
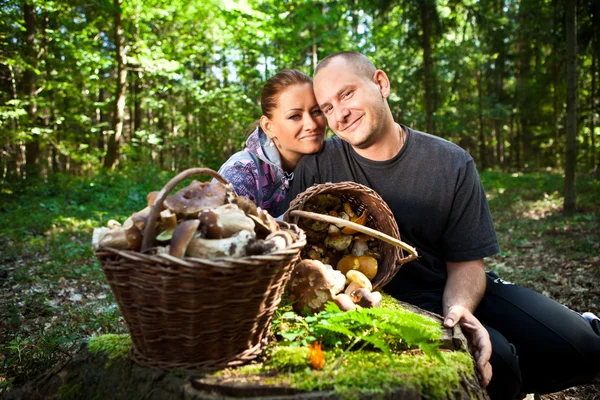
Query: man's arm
464, 290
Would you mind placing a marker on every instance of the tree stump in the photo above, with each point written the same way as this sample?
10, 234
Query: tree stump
97, 376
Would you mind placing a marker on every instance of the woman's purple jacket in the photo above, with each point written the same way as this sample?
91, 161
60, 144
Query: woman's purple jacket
256, 172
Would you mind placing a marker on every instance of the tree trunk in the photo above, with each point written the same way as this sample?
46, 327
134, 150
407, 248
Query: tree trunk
90, 375
523, 73
571, 156
429, 81
482, 162
114, 142
593, 114
32, 145
137, 105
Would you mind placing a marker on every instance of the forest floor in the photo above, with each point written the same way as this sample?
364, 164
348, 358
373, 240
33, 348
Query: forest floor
53, 293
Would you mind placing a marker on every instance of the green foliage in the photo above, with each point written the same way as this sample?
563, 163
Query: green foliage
196, 68
378, 328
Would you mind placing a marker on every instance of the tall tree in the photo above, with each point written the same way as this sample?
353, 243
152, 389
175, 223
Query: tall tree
571, 155
32, 145
114, 142
427, 12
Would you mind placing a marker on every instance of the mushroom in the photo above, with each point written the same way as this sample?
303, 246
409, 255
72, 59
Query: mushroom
169, 222
138, 219
233, 220
323, 203
196, 197
182, 236
362, 220
113, 224
347, 263
366, 298
120, 238
312, 284
314, 237
234, 246
246, 205
333, 230
344, 302
210, 227
281, 239
357, 280
360, 244
368, 266
317, 252
341, 242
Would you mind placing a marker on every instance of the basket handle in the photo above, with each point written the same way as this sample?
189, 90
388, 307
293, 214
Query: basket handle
363, 229
148, 239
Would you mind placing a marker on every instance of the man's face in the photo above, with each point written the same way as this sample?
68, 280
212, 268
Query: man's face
353, 105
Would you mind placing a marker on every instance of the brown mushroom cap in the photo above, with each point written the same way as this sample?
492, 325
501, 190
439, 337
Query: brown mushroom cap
182, 236
311, 285
209, 225
196, 197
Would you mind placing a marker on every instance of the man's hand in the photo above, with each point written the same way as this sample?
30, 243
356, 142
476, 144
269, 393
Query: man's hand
478, 337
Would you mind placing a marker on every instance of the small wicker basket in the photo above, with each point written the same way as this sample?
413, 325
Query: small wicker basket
197, 314
381, 223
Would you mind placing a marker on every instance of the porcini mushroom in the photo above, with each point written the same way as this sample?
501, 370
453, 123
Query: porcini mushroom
233, 220
340, 242
234, 246
360, 244
196, 197
366, 298
209, 225
368, 266
120, 238
246, 205
312, 285
344, 302
182, 236
169, 222
357, 280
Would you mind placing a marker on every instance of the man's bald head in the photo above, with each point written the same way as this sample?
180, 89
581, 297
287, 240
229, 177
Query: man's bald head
361, 65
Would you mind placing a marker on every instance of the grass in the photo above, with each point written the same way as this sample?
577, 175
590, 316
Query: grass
54, 294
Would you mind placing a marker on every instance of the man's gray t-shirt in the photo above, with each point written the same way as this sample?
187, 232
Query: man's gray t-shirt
435, 194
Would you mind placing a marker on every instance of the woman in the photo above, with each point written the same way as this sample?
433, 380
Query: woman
291, 125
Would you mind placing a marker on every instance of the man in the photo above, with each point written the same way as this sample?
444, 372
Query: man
523, 342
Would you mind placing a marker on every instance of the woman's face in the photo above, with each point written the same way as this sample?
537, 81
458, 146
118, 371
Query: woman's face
297, 125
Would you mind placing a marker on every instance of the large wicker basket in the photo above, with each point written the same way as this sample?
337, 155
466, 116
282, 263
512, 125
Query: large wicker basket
380, 223
197, 314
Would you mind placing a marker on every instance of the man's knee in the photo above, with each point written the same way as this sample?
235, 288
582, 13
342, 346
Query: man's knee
506, 374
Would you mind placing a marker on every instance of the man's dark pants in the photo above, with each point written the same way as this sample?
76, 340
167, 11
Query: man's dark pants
538, 345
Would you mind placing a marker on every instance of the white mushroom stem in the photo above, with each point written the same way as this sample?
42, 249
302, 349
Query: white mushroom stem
360, 246
168, 219
234, 246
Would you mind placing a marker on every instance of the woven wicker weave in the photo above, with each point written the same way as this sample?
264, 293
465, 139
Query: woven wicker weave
379, 218
198, 314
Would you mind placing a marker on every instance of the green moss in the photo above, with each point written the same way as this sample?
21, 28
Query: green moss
66, 392
367, 372
289, 358
115, 346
